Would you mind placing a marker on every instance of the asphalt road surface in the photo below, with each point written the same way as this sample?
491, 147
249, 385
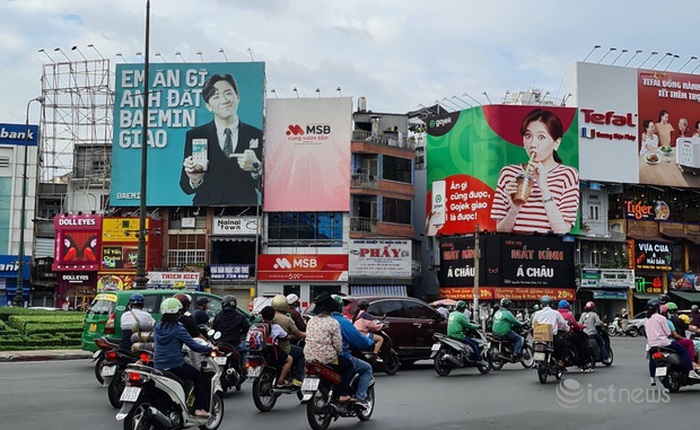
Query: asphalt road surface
66, 395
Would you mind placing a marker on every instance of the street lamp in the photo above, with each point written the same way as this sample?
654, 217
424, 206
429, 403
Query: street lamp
19, 294
258, 203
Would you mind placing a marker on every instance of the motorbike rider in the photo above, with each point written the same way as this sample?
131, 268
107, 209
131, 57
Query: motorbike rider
200, 314
170, 334
353, 338
136, 320
590, 319
536, 307
232, 324
281, 305
365, 324
279, 357
185, 316
457, 323
694, 330
624, 319
295, 311
547, 315
658, 331
577, 336
695, 315
678, 330
503, 322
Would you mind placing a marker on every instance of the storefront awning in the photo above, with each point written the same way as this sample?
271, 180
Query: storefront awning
693, 238
649, 238
692, 297
644, 296
378, 290
232, 239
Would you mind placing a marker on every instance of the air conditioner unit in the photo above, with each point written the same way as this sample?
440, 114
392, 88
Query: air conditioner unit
188, 222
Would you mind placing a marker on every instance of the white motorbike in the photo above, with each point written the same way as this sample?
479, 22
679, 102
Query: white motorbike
154, 399
448, 353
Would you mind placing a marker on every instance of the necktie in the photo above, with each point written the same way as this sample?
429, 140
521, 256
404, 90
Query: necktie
228, 143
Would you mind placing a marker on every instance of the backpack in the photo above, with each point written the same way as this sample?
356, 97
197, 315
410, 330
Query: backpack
258, 334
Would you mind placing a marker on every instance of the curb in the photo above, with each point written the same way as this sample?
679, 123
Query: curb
15, 356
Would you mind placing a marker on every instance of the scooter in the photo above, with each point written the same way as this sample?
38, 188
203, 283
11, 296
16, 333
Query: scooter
390, 363
156, 399
104, 344
233, 373
119, 360
264, 375
670, 369
615, 329
545, 362
502, 350
322, 399
594, 349
448, 353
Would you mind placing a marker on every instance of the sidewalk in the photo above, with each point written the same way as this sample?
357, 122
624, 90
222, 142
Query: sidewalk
44, 355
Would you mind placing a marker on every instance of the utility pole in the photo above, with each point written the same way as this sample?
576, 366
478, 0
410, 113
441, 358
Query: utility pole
476, 274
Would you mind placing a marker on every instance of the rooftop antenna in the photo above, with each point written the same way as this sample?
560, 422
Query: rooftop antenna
638, 51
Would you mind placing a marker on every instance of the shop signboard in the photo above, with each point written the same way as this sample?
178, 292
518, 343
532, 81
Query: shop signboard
650, 255
457, 262
648, 284
228, 272
173, 279
381, 258
303, 267
533, 261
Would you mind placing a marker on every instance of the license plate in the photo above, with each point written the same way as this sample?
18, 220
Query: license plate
538, 356
661, 371
108, 371
130, 394
435, 347
310, 384
254, 372
221, 361
93, 328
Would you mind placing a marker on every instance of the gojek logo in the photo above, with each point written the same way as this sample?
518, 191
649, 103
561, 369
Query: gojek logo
282, 263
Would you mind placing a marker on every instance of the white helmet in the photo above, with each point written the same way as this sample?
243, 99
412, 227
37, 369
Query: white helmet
292, 298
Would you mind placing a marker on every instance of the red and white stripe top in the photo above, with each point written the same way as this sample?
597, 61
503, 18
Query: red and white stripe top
563, 186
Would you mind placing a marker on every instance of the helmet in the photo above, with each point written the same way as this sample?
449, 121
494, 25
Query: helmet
685, 318
694, 309
664, 298
536, 307
326, 303
672, 306
292, 298
663, 309
505, 302
363, 304
338, 302
185, 299
170, 306
653, 303
546, 301
461, 306
229, 301
590, 306
279, 302
563, 304
623, 310
136, 299
202, 301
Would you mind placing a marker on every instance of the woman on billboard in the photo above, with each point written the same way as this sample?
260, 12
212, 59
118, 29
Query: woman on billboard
542, 195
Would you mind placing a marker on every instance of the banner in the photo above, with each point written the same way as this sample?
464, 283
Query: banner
307, 154
122, 229
457, 262
652, 255
173, 279
484, 164
226, 272
78, 245
299, 267
526, 261
191, 107
234, 226
380, 258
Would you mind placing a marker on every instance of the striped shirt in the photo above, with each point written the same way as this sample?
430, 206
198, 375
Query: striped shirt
563, 186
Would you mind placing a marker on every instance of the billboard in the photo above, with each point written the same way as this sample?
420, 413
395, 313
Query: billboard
300, 267
205, 125
638, 126
503, 168
381, 258
78, 242
307, 155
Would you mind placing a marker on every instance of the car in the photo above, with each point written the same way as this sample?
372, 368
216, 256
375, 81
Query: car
412, 322
104, 316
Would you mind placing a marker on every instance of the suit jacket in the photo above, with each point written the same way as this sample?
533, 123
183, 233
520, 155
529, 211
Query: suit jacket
224, 182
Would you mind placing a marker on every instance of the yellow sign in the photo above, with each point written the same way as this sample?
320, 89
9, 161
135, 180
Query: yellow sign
121, 229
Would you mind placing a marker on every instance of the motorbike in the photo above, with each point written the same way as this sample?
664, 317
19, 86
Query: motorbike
594, 349
233, 373
670, 370
390, 358
264, 374
118, 360
448, 353
615, 329
545, 362
501, 351
153, 399
322, 400
104, 344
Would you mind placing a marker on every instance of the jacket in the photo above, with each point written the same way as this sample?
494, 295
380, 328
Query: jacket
169, 340
351, 337
232, 325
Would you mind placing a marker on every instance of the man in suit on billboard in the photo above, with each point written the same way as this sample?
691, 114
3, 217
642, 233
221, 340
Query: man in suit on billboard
222, 157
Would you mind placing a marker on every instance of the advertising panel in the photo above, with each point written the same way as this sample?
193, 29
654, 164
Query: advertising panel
684, 281
121, 257
114, 281
534, 261
9, 265
173, 280
300, 267
381, 258
226, 272
122, 229
307, 154
652, 255
234, 226
78, 245
638, 126
204, 134
647, 283
593, 278
457, 262
466, 293
504, 168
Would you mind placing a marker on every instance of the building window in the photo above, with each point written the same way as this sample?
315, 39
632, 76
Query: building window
396, 210
594, 212
314, 228
396, 169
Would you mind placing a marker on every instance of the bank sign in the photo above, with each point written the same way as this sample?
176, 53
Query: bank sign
380, 258
303, 267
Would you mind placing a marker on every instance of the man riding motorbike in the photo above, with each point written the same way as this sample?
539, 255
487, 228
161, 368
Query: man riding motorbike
186, 317
200, 315
232, 325
457, 323
135, 320
678, 330
281, 305
591, 320
547, 315
503, 322
658, 332
577, 336
295, 311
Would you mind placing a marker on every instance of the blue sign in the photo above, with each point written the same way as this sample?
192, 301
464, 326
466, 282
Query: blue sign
9, 264
221, 272
18, 134
609, 295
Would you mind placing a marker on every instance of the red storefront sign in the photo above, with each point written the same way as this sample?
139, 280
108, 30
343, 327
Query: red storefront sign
303, 267
457, 293
78, 244
534, 293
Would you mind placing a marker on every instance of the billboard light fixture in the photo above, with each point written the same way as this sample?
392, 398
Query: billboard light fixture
75, 48
622, 52
589, 54
647, 59
224, 54
98, 52
668, 54
686, 63
200, 56
671, 62
47, 54
637, 52
606, 54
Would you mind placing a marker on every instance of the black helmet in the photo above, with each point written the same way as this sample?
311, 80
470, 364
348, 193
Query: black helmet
363, 304
694, 309
229, 301
653, 303
202, 301
664, 298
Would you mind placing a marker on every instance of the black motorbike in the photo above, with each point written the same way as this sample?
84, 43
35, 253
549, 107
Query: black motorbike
501, 351
230, 360
545, 362
448, 353
263, 372
594, 349
389, 357
104, 344
670, 369
120, 360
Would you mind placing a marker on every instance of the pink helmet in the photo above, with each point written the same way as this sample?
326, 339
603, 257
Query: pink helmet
590, 306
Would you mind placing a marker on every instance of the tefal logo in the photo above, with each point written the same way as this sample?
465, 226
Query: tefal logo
609, 117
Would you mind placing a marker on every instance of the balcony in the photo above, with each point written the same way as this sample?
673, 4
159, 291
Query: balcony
363, 225
383, 139
361, 180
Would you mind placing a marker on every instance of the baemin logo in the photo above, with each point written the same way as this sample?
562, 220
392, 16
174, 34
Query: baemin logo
282, 263
294, 129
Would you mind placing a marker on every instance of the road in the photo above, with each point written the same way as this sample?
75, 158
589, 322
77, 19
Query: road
65, 395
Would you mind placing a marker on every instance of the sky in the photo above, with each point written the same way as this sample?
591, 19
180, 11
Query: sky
398, 54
